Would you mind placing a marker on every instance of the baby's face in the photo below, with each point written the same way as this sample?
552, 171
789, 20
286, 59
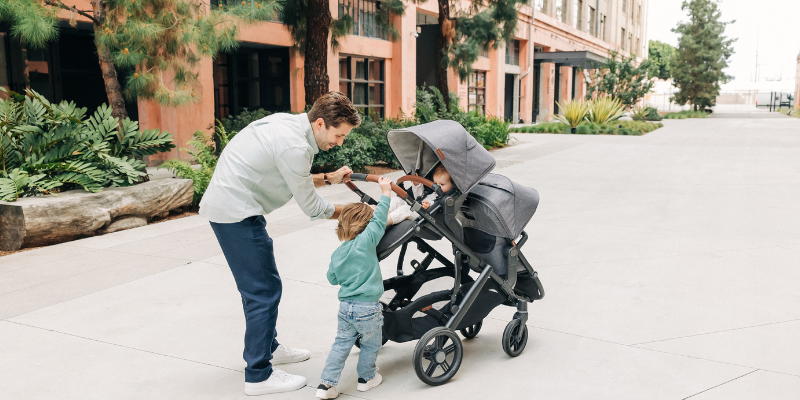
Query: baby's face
444, 182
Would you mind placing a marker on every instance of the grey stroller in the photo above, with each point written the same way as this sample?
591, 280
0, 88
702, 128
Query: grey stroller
483, 216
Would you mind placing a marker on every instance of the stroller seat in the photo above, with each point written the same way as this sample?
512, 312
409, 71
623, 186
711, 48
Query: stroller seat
398, 234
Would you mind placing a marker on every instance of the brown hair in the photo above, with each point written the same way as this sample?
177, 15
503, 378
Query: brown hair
353, 220
441, 170
334, 108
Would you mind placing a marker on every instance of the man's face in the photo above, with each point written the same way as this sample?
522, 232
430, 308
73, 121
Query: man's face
330, 137
444, 182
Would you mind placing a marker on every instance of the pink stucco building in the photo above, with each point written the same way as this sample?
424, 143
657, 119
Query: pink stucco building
378, 74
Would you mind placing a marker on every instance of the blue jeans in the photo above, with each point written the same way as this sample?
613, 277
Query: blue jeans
248, 250
355, 318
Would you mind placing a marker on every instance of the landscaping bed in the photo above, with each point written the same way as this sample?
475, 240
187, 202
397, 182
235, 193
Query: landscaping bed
626, 128
685, 114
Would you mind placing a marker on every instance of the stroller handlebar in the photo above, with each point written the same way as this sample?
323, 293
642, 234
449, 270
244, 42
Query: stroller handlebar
374, 178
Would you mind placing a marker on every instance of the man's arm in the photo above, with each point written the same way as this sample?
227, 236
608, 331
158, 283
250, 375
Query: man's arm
294, 165
333, 177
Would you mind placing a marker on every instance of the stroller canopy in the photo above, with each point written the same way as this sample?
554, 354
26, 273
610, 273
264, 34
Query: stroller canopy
420, 148
502, 207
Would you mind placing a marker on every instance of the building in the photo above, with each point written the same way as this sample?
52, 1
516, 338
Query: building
797, 84
379, 75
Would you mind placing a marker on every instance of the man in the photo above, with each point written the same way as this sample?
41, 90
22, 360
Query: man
260, 170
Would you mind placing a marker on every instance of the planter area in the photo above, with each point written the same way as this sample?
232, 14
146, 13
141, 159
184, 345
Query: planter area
629, 128
74, 214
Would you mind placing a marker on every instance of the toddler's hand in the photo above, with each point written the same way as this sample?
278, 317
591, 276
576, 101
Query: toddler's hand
386, 185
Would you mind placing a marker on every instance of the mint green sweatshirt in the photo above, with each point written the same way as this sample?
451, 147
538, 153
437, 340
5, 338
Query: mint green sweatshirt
354, 265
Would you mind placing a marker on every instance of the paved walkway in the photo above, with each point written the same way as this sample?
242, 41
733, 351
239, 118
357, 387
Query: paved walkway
671, 264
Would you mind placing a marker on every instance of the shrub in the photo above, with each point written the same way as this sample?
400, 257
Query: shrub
235, 123
48, 148
686, 114
356, 152
652, 114
635, 128
573, 113
639, 113
604, 109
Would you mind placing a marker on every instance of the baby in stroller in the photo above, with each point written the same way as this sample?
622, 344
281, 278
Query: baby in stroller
400, 211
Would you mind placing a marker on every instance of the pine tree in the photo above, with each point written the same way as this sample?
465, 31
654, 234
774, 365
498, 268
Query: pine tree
662, 55
162, 39
702, 55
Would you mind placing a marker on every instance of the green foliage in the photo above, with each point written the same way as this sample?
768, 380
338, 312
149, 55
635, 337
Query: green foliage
205, 154
662, 56
356, 152
702, 55
686, 114
152, 36
235, 123
48, 148
604, 109
629, 128
573, 112
621, 79
640, 113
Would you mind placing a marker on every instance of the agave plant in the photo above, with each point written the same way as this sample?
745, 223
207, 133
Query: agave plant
640, 113
573, 112
604, 109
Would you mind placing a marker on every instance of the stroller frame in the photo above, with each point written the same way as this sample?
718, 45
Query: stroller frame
464, 261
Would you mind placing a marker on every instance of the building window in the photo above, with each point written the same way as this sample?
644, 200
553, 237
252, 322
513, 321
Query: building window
512, 52
251, 78
363, 81
364, 21
630, 41
591, 28
561, 11
484, 51
623, 38
639, 16
624, 5
477, 92
577, 14
540, 4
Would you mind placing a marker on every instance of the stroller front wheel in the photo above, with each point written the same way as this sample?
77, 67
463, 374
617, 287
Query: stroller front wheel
437, 356
471, 331
513, 341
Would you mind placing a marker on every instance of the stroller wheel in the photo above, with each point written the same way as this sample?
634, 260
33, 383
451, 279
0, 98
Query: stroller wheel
514, 342
437, 356
471, 331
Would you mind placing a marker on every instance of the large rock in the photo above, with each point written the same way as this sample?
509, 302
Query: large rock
44, 220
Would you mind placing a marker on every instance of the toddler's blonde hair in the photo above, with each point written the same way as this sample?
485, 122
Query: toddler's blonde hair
353, 220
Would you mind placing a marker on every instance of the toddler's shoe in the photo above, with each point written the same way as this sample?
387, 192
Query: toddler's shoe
286, 355
278, 382
364, 385
327, 392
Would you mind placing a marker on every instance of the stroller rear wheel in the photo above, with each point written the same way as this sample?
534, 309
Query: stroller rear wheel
437, 356
513, 341
471, 331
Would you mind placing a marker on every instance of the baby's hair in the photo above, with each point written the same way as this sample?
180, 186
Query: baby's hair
440, 171
353, 220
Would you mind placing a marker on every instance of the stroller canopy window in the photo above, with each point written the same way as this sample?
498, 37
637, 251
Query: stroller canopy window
501, 207
420, 148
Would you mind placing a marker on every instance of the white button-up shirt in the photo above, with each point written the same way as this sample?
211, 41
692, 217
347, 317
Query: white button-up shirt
262, 168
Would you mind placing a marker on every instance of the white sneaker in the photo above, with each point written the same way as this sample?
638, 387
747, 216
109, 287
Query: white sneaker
278, 382
363, 385
327, 392
286, 355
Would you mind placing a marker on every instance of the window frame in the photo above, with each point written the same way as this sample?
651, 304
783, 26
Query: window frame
351, 81
477, 105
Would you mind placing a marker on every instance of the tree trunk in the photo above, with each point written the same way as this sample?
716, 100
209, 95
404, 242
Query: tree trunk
441, 54
316, 79
113, 88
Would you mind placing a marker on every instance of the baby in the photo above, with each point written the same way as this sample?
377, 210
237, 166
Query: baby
399, 210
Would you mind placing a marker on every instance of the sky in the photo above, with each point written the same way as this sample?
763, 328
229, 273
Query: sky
772, 24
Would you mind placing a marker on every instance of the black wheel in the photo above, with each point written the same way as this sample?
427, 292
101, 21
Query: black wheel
513, 343
471, 331
437, 356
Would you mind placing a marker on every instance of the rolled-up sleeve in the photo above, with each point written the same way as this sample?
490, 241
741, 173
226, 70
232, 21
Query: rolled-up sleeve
294, 165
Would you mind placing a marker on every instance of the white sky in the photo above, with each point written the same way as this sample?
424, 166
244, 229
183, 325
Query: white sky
776, 21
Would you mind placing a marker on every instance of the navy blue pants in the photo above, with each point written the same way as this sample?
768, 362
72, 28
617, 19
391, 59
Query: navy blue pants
248, 250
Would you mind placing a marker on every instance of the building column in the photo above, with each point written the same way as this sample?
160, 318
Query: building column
548, 91
401, 78
565, 85
581, 84
297, 89
525, 85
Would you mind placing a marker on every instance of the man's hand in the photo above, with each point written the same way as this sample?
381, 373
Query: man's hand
386, 186
338, 175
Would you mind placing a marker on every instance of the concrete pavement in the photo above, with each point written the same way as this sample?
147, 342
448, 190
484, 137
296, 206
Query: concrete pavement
670, 261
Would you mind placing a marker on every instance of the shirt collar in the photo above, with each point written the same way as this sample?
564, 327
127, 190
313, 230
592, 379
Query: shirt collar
309, 132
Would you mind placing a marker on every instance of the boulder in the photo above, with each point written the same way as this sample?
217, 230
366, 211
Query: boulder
51, 219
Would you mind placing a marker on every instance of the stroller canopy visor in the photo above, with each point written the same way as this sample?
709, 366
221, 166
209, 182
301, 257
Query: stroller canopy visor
420, 148
501, 207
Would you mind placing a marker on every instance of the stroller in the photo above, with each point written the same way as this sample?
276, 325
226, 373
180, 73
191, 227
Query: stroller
482, 216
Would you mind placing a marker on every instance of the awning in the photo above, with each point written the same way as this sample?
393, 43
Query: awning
583, 59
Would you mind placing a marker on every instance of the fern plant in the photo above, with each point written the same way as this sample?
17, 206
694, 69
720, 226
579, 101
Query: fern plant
205, 153
604, 109
573, 113
47, 148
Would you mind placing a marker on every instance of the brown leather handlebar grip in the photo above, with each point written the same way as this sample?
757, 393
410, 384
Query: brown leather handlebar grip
416, 179
374, 178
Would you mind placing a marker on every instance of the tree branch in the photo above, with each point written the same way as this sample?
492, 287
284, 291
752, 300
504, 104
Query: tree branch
86, 14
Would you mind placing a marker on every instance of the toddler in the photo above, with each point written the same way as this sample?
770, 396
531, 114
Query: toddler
354, 266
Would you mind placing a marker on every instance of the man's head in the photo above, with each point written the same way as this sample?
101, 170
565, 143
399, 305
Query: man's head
353, 220
442, 178
332, 117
